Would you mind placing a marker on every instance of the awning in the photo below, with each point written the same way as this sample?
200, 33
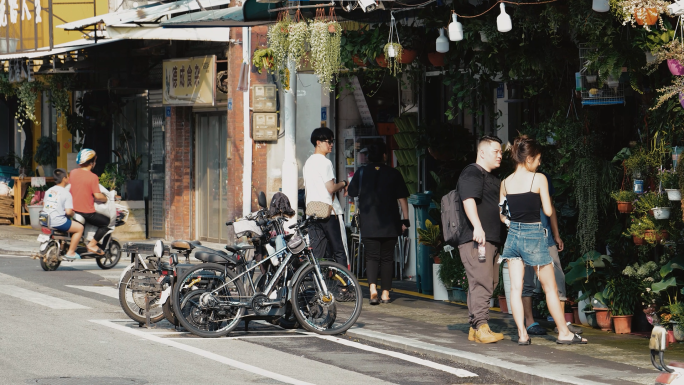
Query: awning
143, 13
58, 49
158, 33
248, 15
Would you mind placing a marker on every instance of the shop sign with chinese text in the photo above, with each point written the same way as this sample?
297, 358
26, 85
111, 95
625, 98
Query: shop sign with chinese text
190, 81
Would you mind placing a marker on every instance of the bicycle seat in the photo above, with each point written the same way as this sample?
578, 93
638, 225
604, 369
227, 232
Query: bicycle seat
185, 245
60, 233
214, 257
236, 248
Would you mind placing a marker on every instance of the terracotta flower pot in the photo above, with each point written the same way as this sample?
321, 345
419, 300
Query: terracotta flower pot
603, 319
637, 241
381, 61
664, 234
654, 236
575, 314
622, 324
569, 317
436, 59
625, 207
676, 68
408, 56
358, 61
502, 304
648, 16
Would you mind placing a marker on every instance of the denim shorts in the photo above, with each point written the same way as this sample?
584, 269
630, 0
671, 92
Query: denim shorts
527, 242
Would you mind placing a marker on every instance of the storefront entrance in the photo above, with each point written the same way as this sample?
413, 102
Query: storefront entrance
212, 176
157, 173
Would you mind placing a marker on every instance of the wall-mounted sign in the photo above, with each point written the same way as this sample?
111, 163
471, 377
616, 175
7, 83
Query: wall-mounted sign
189, 81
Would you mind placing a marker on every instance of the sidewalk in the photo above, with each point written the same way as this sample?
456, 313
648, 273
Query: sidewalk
18, 240
440, 330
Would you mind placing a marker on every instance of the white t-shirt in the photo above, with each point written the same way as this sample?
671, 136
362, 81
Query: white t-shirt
56, 200
317, 171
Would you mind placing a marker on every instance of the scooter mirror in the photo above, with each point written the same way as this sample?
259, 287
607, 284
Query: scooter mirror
158, 249
262, 200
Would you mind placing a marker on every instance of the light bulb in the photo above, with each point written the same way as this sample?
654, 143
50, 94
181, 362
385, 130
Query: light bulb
503, 21
442, 43
455, 29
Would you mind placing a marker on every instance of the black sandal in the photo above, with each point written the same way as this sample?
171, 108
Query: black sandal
525, 343
576, 339
374, 301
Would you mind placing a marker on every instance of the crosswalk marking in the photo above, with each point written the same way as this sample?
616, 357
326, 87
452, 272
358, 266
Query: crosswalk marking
103, 290
40, 298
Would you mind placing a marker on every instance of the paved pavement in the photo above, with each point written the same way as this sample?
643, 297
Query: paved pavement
412, 325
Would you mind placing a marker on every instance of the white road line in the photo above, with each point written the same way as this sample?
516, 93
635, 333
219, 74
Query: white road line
203, 353
240, 338
39, 298
401, 356
103, 290
13, 256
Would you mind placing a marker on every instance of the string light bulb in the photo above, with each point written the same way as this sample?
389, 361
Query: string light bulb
442, 43
455, 29
503, 21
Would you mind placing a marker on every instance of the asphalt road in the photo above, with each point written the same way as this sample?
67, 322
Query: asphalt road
66, 327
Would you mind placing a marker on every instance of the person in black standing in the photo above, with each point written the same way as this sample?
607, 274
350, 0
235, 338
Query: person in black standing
379, 188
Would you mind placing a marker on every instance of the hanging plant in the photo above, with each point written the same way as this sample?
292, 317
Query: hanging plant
325, 50
642, 12
59, 86
263, 59
27, 93
6, 88
298, 36
393, 54
278, 40
672, 52
676, 88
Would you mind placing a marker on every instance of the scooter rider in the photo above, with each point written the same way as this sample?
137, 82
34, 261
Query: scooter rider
58, 203
85, 189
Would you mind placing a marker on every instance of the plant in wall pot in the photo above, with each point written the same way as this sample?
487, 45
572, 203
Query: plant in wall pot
625, 200
129, 164
46, 155
325, 50
673, 53
431, 236
622, 292
654, 204
642, 12
677, 320
111, 179
670, 182
637, 230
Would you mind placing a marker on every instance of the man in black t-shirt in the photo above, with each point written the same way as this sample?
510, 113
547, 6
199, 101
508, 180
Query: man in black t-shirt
479, 191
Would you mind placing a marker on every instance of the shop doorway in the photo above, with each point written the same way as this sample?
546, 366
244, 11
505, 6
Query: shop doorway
212, 177
157, 173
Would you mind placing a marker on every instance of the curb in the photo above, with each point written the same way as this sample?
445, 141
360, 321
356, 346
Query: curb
27, 253
505, 369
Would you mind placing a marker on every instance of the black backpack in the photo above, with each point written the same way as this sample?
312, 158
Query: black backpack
454, 220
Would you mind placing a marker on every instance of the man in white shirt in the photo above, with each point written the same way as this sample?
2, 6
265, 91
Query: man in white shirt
319, 181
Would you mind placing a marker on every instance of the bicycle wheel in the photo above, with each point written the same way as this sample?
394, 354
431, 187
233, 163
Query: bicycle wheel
333, 314
208, 316
133, 302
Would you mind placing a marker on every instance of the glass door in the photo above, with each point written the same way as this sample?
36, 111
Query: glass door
157, 173
212, 177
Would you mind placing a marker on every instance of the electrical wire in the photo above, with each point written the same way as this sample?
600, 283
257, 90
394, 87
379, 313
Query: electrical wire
505, 1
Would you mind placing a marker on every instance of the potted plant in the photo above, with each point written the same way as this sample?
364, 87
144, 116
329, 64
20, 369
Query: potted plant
263, 59
431, 236
642, 12
325, 38
637, 230
111, 179
129, 164
625, 200
673, 53
650, 201
602, 312
278, 39
670, 182
393, 53
500, 293
677, 320
453, 276
46, 154
352, 46
622, 293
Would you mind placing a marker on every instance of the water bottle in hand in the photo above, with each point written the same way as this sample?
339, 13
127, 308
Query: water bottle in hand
481, 252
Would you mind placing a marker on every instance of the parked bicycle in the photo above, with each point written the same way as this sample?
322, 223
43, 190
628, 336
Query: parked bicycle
215, 300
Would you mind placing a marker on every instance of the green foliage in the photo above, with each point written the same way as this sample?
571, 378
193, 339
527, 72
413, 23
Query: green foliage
451, 270
622, 294
430, 236
30, 192
677, 312
583, 268
129, 160
46, 153
650, 200
59, 86
624, 195
111, 178
641, 161
27, 93
669, 179
263, 58
6, 88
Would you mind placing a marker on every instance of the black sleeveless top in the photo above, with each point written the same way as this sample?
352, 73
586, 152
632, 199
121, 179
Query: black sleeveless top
524, 207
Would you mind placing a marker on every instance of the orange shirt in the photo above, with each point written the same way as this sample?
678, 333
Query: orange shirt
84, 184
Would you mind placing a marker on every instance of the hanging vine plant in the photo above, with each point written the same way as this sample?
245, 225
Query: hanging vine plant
278, 39
6, 88
393, 61
298, 37
325, 50
27, 93
59, 86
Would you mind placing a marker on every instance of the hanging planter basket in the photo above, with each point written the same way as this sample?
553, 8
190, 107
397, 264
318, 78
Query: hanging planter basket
436, 59
625, 207
358, 61
638, 241
674, 194
646, 16
676, 68
381, 61
661, 212
408, 56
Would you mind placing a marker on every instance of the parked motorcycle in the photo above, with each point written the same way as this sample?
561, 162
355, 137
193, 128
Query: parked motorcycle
54, 244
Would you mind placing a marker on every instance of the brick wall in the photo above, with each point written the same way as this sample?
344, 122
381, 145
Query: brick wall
178, 193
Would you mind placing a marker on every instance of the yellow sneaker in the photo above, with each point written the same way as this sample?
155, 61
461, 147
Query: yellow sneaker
471, 334
484, 335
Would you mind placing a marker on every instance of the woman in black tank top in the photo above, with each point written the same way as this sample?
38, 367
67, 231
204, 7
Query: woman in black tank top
526, 192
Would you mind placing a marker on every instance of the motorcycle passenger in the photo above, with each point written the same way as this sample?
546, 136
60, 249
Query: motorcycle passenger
85, 188
58, 203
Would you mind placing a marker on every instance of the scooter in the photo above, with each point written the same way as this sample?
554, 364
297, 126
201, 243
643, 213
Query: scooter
54, 245
672, 374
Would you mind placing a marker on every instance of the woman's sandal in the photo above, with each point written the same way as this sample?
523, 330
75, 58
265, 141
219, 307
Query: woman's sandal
385, 301
98, 251
525, 343
374, 301
576, 339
